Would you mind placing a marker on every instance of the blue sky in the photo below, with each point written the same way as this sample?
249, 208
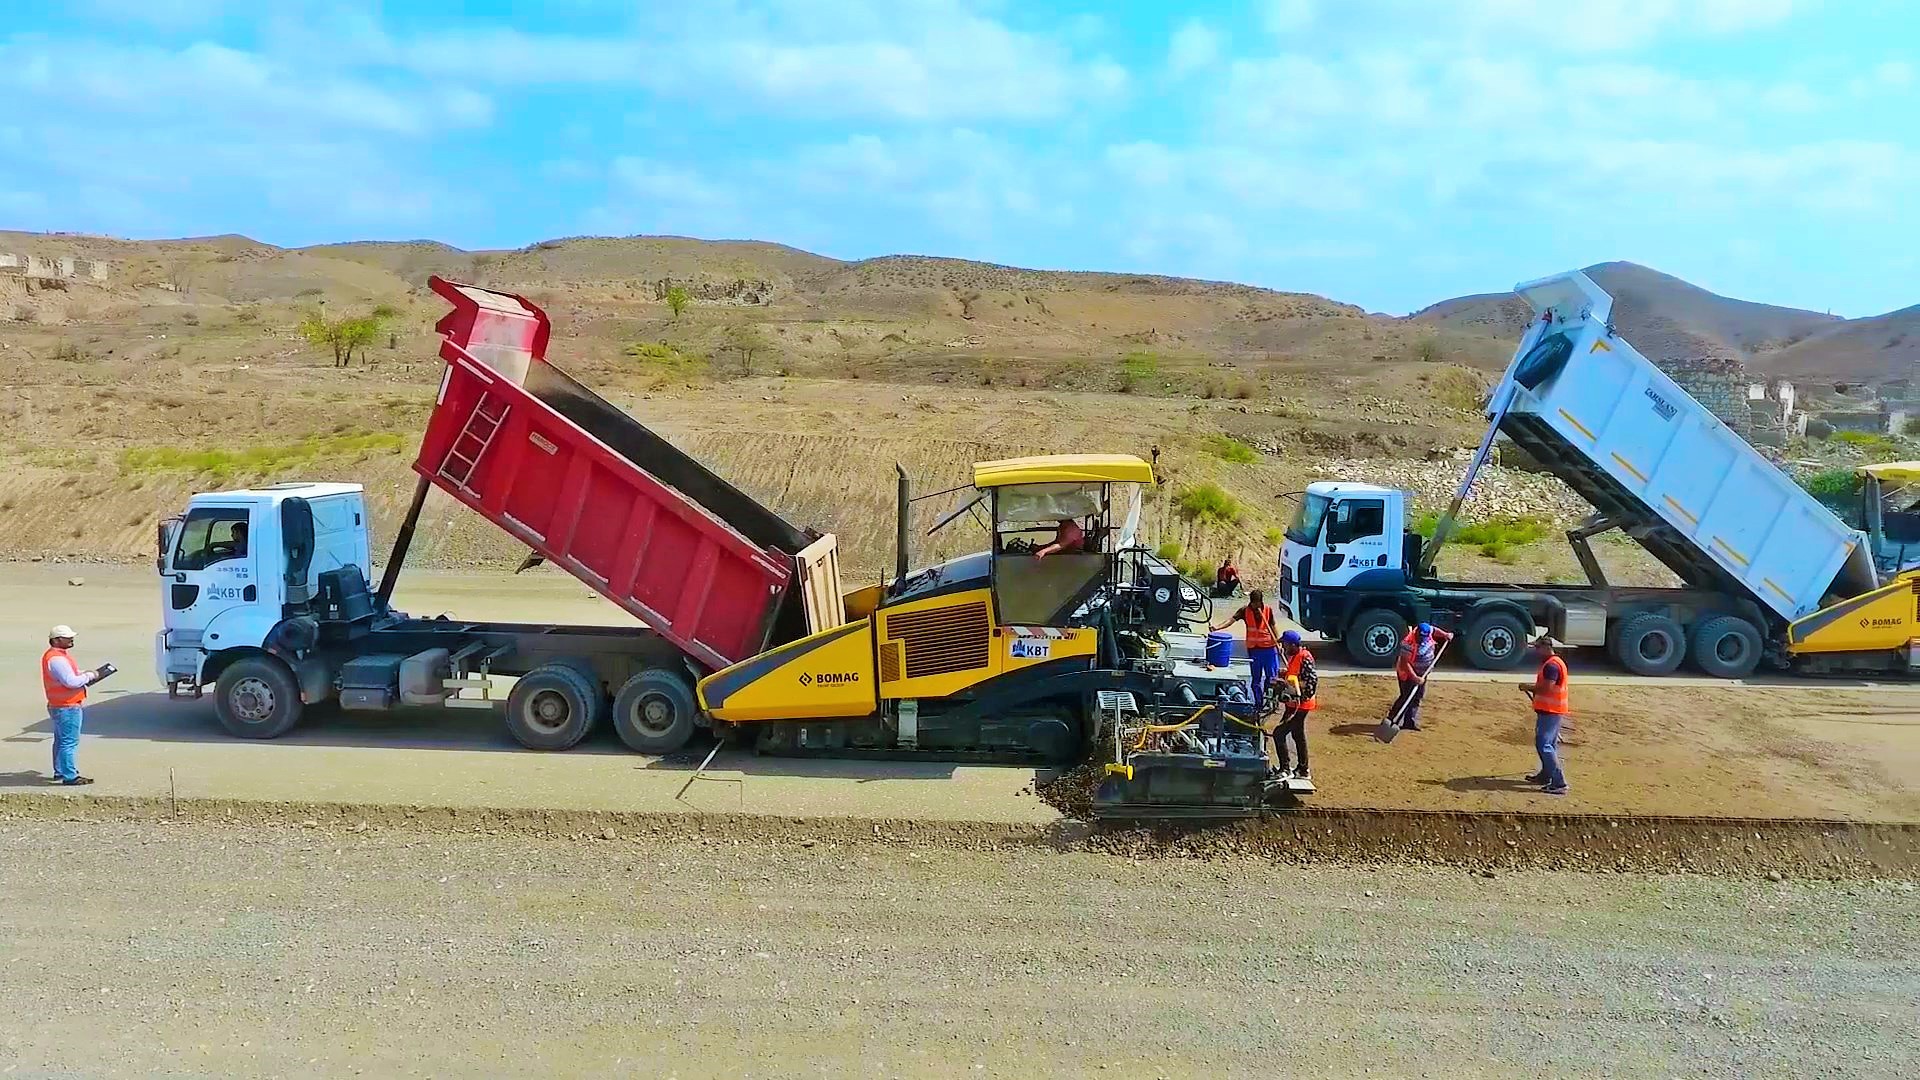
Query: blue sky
1388, 153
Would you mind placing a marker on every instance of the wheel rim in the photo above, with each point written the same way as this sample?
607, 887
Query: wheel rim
1498, 642
548, 711
654, 714
1730, 649
1380, 639
1655, 647
252, 699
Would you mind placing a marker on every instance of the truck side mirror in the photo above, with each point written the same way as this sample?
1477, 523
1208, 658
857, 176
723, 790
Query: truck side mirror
296, 537
163, 543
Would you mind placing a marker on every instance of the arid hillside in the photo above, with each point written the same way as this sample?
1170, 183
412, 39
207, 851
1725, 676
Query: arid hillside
1669, 319
801, 378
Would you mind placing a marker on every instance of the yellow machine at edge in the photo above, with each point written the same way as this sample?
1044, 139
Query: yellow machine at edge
996, 654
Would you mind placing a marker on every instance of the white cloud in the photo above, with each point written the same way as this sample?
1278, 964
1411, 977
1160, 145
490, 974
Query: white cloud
1894, 74
921, 60
1489, 24
214, 85
128, 136
667, 183
1194, 46
1286, 16
962, 180
164, 14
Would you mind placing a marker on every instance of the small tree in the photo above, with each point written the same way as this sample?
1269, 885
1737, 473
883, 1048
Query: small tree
746, 339
678, 298
345, 336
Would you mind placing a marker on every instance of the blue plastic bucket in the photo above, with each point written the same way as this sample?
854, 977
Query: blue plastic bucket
1219, 649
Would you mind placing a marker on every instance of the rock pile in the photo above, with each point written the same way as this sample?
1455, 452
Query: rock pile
1497, 491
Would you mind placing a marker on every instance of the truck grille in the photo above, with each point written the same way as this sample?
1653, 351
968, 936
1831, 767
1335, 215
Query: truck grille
890, 662
943, 640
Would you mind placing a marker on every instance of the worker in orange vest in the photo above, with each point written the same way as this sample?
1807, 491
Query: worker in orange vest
1419, 651
1548, 690
66, 687
1262, 649
1300, 688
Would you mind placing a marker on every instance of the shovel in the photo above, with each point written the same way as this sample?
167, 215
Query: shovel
1390, 727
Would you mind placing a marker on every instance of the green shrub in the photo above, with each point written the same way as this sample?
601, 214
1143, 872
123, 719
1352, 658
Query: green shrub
1231, 450
221, 465
659, 354
1208, 503
1871, 443
1831, 483
1138, 369
1276, 535
1490, 535
1170, 551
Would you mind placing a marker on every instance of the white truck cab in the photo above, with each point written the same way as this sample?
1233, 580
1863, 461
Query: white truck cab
1343, 534
233, 564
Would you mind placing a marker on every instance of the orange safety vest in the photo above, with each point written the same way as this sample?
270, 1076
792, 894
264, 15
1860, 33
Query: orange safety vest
59, 695
1259, 627
1551, 697
1299, 657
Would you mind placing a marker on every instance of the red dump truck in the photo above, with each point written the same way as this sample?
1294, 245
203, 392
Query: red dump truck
267, 590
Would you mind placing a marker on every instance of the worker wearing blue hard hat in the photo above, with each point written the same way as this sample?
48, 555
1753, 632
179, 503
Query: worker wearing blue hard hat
1299, 695
1419, 652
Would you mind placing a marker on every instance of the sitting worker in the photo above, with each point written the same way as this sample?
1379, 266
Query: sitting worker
235, 548
1070, 538
1226, 580
1299, 694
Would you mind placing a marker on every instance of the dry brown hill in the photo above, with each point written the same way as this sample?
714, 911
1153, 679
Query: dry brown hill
1882, 349
1670, 319
184, 371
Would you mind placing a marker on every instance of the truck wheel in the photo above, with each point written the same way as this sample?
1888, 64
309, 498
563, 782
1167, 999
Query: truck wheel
257, 698
653, 713
1495, 641
1651, 644
552, 707
1373, 637
1726, 647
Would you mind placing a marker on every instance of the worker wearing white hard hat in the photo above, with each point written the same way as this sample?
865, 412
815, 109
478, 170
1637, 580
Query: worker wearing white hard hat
66, 687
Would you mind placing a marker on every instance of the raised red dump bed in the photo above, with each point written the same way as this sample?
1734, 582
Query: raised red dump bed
592, 490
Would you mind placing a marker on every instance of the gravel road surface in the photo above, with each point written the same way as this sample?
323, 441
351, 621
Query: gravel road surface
201, 949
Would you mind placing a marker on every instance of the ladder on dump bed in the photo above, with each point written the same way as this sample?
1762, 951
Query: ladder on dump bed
489, 416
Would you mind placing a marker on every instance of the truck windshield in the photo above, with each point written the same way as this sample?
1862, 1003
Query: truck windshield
1306, 523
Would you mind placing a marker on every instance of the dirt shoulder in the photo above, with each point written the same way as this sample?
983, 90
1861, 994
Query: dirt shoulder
319, 951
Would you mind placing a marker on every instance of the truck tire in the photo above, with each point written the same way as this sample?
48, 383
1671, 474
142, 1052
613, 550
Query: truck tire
653, 713
1495, 640
587, 672
1373, 637
1651, 644
552, 707
257, 698
1726, 647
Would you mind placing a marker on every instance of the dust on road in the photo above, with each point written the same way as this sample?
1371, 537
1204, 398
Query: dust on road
140, 949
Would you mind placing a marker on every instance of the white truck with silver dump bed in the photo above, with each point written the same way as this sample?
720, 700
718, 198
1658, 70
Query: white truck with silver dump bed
1754, 551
